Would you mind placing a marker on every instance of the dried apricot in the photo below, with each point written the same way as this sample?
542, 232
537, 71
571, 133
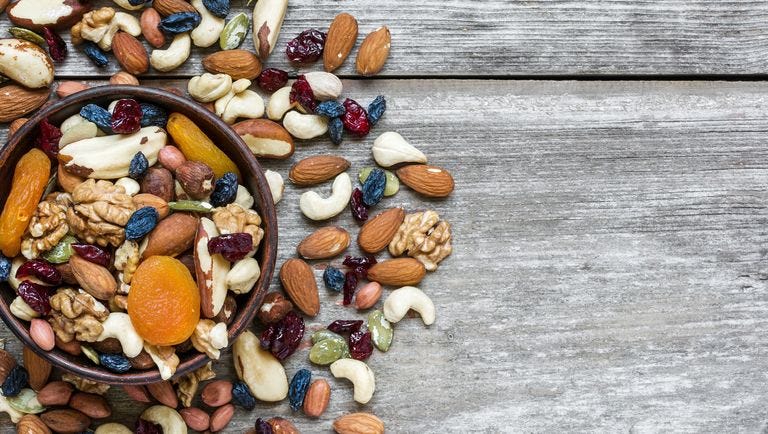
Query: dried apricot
197, 146
29, 180
164, 303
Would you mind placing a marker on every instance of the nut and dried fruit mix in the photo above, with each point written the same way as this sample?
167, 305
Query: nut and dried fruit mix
129, 238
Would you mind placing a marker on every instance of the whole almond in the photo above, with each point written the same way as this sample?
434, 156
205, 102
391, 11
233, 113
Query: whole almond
358, 423
68, 181
324, 243
137, 393
130, 53
171, 157
158, 181
93, 278
377, 232
196, 179
299, 283
109, 346
163, 392
66, 420
55, 393
397, 272
374, 52
368, 295
16, 101
317, 169
235, 63
67, 88
282, 426
7, 363
142, 200
123, 78
430, 181
38, 369
73, 347
150, 20
217, 393
195, 418
31, 424
317, 398
90, 404
142, 362
274, 308
15, 125
169, 7
172, 236
221, 417
341, 38
265, 138
42, 333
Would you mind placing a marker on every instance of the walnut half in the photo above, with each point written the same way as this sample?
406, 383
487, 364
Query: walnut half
423, 236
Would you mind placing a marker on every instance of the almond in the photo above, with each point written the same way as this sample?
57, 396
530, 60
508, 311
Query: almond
373, 52
317, 398
66, 420
38, 368
341, 38
67, 88
235, 63
172, 236
55, 393
358, 423
130, 53
137, 393
317, 169
324, 243
16, 101
93, 278
196, 179
123, 78
299, 283
142, 200
430, 181
265, 138
150, 20
282, 426
91, 405
195, 418
163, 392
377, 232
15, 125
31, 424
397, 272
169, 7
7, 363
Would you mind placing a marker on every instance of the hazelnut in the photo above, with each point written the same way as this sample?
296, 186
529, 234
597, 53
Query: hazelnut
196, 179
274, 308
158, 181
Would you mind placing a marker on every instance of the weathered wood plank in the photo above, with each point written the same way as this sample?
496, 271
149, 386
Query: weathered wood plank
513, 38
609, 269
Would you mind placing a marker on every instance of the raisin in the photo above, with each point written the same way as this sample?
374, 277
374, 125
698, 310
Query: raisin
139, 166
16, 380
219, 8
242, 396
360, 345
359, 210
41, 269
5, 268
302, 93
263, 427
152, 115
36, 296
146, 427
272, 79
95, 54
99, 116
180, 22
373, 187
225, 190
336, 130
307, 47
48, 136
376, 109
355, 119
137, 2
141, 223
331, 109
117, 363
333, 278
298, 388
56, 46
92, 253
350, 286
126, 118
365, 262
345, 325
283, 337
233, 247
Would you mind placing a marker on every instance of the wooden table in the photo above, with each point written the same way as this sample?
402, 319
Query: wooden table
609, 268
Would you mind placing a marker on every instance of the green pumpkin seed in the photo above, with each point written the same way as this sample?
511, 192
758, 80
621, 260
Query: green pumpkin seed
26, 402
381, 330
324, 334
91, 354
234, 32
61, 252
28, 35
190, 205
327, 351
392, 186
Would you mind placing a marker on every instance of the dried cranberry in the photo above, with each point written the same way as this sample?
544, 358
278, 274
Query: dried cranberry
359, 210
48, 137
360, 265
92, 253
360, 345
350, 286
307, 47
345, 325
302, 93
233, 247
356, 118
272, 79
56, 46
41, 269
146, 427
126, 119
263, 427
36, 296
283, 337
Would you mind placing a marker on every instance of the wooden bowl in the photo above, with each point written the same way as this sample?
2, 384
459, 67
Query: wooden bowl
223, 136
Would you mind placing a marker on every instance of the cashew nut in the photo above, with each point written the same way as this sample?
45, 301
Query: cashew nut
305, 126
400, 301
246, 104
118, 325
238, 86
174, 56
391, 148
21, 310
25, 63
279, 103
113, 428
243, 197
130, 185
276, 185
125, 4
209, 87
169, 419
6, 408
243, 275
208, 31
359, 374
316, 208
165, 359
121, 21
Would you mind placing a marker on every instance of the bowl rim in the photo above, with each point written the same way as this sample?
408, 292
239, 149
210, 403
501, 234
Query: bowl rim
246, 313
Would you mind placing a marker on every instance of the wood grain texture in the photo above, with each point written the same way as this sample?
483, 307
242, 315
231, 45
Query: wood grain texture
609, 267
514, 38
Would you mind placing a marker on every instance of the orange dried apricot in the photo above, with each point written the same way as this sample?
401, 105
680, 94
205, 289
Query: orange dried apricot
29, 180
164, 302
197, 146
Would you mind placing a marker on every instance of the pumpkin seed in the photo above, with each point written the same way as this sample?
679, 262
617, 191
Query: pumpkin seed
392, 186
26, 402
28, 35
91, 354
324, 334
61, 252
234, 32
381, 330
190, 205
328, 351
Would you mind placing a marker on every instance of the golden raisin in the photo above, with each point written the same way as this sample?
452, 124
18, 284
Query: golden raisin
197, 146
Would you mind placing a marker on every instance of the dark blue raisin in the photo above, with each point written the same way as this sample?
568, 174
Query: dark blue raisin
16, 380
219, 8
141, 223
331, 109
179, 22
242, 396
225, 190
373, 187
333, 278
298, 388
137, 2
99, 116
336, 130
376, 109
5, 268
263, 427
117, 363
152, 115
95, 54
139, 166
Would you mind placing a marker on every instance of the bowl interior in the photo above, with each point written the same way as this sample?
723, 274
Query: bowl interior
226, 139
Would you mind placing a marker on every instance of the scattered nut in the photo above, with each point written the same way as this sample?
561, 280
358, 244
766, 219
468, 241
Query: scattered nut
209, 87
391, 148
304, 126
315, 207
400, 301
174, 56
359, 374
